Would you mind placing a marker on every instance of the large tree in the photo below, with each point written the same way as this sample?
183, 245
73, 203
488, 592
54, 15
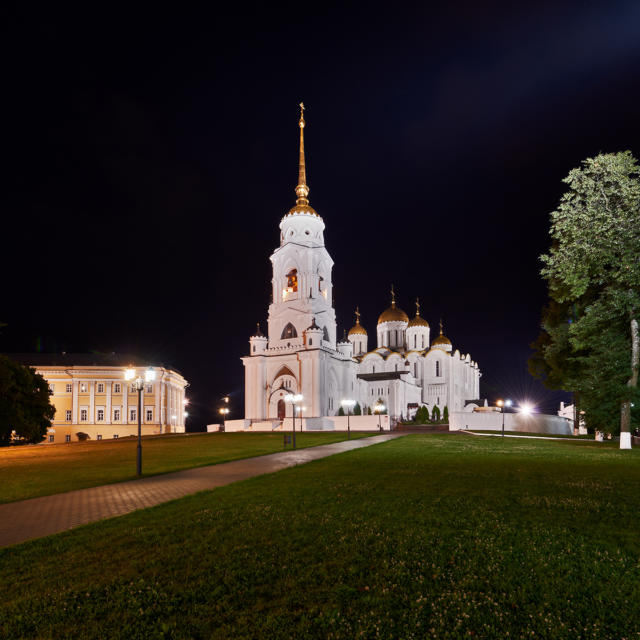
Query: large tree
590, 342
24, 403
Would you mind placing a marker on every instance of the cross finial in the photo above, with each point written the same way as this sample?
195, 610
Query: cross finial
393, 296
302, 114
440, 326
417, 306
357, 315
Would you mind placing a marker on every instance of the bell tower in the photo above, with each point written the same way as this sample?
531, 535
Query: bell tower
301, 283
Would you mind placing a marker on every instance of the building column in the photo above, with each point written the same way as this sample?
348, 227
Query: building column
108, 407
156, 410
124, 411
74, 403
92, 402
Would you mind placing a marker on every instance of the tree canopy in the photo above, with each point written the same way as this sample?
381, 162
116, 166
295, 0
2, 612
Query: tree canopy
589, 340
24, 403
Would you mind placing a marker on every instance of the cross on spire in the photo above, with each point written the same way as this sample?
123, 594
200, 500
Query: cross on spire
393, 297
357, 315
417, 306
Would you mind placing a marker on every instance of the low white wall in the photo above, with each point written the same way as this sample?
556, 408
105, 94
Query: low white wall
326, 423
492, 421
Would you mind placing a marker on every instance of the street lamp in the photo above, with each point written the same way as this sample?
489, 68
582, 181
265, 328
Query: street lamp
149, 376
294, 399
378, 408
223, 412
349, 404
526, 409
504, 404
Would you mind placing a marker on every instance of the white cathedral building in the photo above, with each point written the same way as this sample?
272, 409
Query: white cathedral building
301, 353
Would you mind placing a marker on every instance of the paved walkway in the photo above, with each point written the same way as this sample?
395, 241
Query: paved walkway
512, 435
37, 517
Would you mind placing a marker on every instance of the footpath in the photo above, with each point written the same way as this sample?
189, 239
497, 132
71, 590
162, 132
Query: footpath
37, 517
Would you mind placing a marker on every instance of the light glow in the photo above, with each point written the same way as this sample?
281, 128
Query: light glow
129, 374
526, 409
150, 374
348, 403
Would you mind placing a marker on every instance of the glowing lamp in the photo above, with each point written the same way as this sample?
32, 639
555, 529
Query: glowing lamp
150, 374
129, 374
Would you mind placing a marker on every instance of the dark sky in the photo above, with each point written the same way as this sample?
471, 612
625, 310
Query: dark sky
150, 155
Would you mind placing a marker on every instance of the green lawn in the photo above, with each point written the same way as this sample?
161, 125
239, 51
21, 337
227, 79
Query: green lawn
28, 472
427, 536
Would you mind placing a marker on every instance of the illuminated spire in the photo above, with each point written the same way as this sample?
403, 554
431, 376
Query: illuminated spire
393, 297
302, 190
417, 306
440, 326
357, 315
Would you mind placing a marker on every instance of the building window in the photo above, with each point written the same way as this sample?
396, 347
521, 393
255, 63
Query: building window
289, 332
68, 388
423, 342
415, 342
99, 437
83, 415
437, 368
292, 281
325, 334
67, 415
51, 437
116, 415
132, 388
115, 436
310, 341
116, 388
133, 414
100, 387
67, 438
100, 415
52, 387
396, 366
83, 387
149, 415
148, 388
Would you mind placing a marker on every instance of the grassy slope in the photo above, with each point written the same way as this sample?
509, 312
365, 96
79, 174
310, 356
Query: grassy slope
425, 536
28, 472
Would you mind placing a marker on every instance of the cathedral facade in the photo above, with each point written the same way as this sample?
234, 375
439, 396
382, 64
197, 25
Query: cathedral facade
301, 353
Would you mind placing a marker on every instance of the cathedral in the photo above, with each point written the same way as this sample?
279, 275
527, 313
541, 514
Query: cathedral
301, 353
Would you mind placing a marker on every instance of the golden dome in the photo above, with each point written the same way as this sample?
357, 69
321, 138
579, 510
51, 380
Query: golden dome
441, 340
302, 209
357, 328
393, 314
418, 321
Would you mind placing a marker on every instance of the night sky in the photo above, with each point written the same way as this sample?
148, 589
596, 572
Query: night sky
149, 157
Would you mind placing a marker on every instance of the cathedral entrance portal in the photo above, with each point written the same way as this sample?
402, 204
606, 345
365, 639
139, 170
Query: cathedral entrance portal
281, 409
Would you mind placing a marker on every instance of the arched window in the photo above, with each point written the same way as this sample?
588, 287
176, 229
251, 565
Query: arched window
437, 368
423, 342
289, 332
415, 341
325, 334
415, 369
292, 281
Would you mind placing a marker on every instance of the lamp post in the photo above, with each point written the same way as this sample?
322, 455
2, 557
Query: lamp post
503, 404
294, 399
349, 404
149, 376
379, 408
223, 412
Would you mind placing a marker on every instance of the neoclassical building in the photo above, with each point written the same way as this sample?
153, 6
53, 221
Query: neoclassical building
91, 396
301, 354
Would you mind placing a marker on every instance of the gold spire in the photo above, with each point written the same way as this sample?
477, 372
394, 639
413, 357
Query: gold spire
357, 327
440, 326
302, 190
417, 306
393, 297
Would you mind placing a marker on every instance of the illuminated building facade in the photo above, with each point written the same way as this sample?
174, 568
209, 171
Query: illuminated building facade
91, 397
301, 354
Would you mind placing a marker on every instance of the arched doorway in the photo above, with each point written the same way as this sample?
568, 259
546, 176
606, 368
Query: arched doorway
281, 409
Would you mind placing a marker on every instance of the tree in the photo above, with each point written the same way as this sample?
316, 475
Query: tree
435, 414
369, 411
445, 414
590, 342
340, 411
422, 415
24, 403
357, 410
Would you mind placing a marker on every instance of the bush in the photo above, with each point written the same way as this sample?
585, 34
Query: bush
435, 414
445, 414
357, 410
340, 411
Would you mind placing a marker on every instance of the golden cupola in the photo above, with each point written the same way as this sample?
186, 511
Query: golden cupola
357, 328
418, 321
393, 313
442, 342
302, 205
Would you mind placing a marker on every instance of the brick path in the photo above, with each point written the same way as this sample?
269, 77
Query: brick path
37, 517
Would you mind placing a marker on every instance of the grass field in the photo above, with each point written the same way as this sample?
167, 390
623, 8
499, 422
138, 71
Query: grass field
28, 472
426, 536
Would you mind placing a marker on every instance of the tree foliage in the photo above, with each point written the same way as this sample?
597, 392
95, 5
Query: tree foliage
24, 403
435, 414
445, 414
589, 341
357, 409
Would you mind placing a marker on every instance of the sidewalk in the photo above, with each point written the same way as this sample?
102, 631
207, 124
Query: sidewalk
37, 517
